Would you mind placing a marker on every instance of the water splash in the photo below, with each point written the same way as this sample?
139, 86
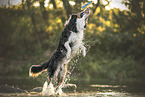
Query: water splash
48, 87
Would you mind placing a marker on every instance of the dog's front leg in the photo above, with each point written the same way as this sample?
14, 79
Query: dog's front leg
68, 49
84, 50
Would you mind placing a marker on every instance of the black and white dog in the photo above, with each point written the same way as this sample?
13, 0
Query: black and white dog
70, 43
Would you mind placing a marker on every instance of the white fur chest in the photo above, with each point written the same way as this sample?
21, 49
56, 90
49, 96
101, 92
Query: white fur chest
76, 39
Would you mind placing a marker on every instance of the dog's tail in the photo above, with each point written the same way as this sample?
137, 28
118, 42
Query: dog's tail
50, 66
35, 70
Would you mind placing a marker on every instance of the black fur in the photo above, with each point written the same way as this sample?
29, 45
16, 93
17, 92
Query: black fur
60, 53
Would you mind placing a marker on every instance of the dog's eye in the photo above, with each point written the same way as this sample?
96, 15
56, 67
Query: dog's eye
81, 15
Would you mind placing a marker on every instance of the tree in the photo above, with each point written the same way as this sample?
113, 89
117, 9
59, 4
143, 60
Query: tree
67, 7
43, 10
31, 13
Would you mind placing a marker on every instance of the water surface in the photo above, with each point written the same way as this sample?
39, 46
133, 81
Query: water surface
84, 88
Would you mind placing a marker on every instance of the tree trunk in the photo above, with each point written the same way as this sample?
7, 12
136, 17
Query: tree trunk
77, 6
43, 10
31, 13
54, 4
95, 6
67, 7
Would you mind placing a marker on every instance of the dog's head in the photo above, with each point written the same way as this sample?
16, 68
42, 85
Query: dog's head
77, 22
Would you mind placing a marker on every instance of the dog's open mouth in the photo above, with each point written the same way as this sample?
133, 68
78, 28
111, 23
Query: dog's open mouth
84, 13
87, 11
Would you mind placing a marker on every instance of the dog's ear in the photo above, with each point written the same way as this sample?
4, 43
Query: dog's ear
73, 18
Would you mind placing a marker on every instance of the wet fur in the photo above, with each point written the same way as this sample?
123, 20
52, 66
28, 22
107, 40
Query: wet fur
70, 43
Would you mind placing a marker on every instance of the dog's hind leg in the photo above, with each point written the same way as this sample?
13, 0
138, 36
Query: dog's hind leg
84, 50
61, 81
48, 89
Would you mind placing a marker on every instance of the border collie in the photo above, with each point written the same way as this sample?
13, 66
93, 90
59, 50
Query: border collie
71, 42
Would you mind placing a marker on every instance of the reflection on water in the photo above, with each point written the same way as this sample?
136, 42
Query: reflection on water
114, 86
84, 88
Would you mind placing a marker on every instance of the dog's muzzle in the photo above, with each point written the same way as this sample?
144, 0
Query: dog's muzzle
87, 11
84, 13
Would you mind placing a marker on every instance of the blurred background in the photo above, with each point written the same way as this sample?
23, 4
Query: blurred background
115, 37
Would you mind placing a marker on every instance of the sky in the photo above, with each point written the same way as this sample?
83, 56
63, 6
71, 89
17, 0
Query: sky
13, 2
113, 3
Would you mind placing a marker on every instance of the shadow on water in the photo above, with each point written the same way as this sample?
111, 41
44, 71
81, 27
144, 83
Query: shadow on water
22, 87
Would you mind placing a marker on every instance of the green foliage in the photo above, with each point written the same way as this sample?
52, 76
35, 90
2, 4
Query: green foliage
109, 66
115, 39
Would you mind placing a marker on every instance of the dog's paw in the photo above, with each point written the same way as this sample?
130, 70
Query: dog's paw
84, 52
68, 55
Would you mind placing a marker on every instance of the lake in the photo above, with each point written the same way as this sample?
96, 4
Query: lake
85, 88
